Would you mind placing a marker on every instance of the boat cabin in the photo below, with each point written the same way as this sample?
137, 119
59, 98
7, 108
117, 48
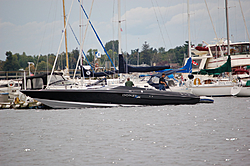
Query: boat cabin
40, 81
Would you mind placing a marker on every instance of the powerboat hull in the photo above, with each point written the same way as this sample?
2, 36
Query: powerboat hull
113, 97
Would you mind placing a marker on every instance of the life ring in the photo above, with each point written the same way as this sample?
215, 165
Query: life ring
11, 84
197, 81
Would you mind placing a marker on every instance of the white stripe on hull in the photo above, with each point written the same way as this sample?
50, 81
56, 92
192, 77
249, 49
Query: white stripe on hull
70, 104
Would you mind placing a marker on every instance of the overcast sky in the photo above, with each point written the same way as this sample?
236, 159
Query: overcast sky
35, 26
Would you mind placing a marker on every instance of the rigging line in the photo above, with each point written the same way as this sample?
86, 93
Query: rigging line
59, 45
97, 35
42, 39
235, 19
81, 45
52, 36
81, 49
189, 36
126, 35
217, 23
126, 39
161, 30
213, 28
194, 27
244, 21
86, 29
183, 30
113, 30
158, 24
199, 26
164, 23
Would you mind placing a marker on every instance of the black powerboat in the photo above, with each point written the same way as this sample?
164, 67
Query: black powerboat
109, 97
65, 94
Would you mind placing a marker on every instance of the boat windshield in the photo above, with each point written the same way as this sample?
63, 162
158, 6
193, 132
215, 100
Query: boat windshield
63, 83
59, 80
55, 78
235, 49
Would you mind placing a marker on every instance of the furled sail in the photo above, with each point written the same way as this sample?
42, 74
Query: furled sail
124, 68
226, 67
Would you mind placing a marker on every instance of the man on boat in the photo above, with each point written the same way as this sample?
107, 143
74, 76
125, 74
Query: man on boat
129, 83
162, 83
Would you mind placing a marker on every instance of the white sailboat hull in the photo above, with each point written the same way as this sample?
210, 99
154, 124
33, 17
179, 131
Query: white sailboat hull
215, 90
244, 92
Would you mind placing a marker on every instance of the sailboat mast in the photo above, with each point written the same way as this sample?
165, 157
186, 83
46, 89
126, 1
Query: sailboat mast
67, 59
189, 37
119, 28
227, 25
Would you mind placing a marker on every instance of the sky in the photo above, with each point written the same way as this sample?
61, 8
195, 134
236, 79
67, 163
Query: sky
35, 26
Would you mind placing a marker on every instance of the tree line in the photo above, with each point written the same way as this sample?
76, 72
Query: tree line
148, 55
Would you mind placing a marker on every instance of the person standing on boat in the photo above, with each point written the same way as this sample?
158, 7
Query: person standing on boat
129, 83
162, 83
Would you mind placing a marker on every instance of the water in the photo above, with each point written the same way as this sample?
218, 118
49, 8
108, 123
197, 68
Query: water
202, 134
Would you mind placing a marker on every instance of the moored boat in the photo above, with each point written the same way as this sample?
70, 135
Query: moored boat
110, 96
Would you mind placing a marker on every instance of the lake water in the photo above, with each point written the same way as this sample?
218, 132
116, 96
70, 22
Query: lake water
202, 134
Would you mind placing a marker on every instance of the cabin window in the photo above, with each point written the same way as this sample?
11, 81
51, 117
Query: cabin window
28, 84
37, 83
196, 63
239, 49
171, 83
216, 51
245, 49
155, 80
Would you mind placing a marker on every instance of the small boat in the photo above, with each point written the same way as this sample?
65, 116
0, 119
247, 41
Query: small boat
11, 87
205, 99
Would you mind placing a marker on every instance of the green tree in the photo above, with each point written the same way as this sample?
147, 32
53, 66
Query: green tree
11, 63
132, 58
145, 56
91, 56
43, 66
24, 59
1, 65
112, 45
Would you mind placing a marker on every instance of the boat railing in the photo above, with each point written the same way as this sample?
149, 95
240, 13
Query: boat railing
7, 75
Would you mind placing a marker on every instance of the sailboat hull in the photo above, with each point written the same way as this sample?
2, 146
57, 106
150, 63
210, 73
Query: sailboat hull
215, 90
245, 92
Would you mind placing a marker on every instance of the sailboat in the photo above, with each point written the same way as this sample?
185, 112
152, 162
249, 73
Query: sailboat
215, 87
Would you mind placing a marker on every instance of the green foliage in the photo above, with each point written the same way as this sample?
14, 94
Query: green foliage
148, 56
112, 45
11, 63
43, 66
